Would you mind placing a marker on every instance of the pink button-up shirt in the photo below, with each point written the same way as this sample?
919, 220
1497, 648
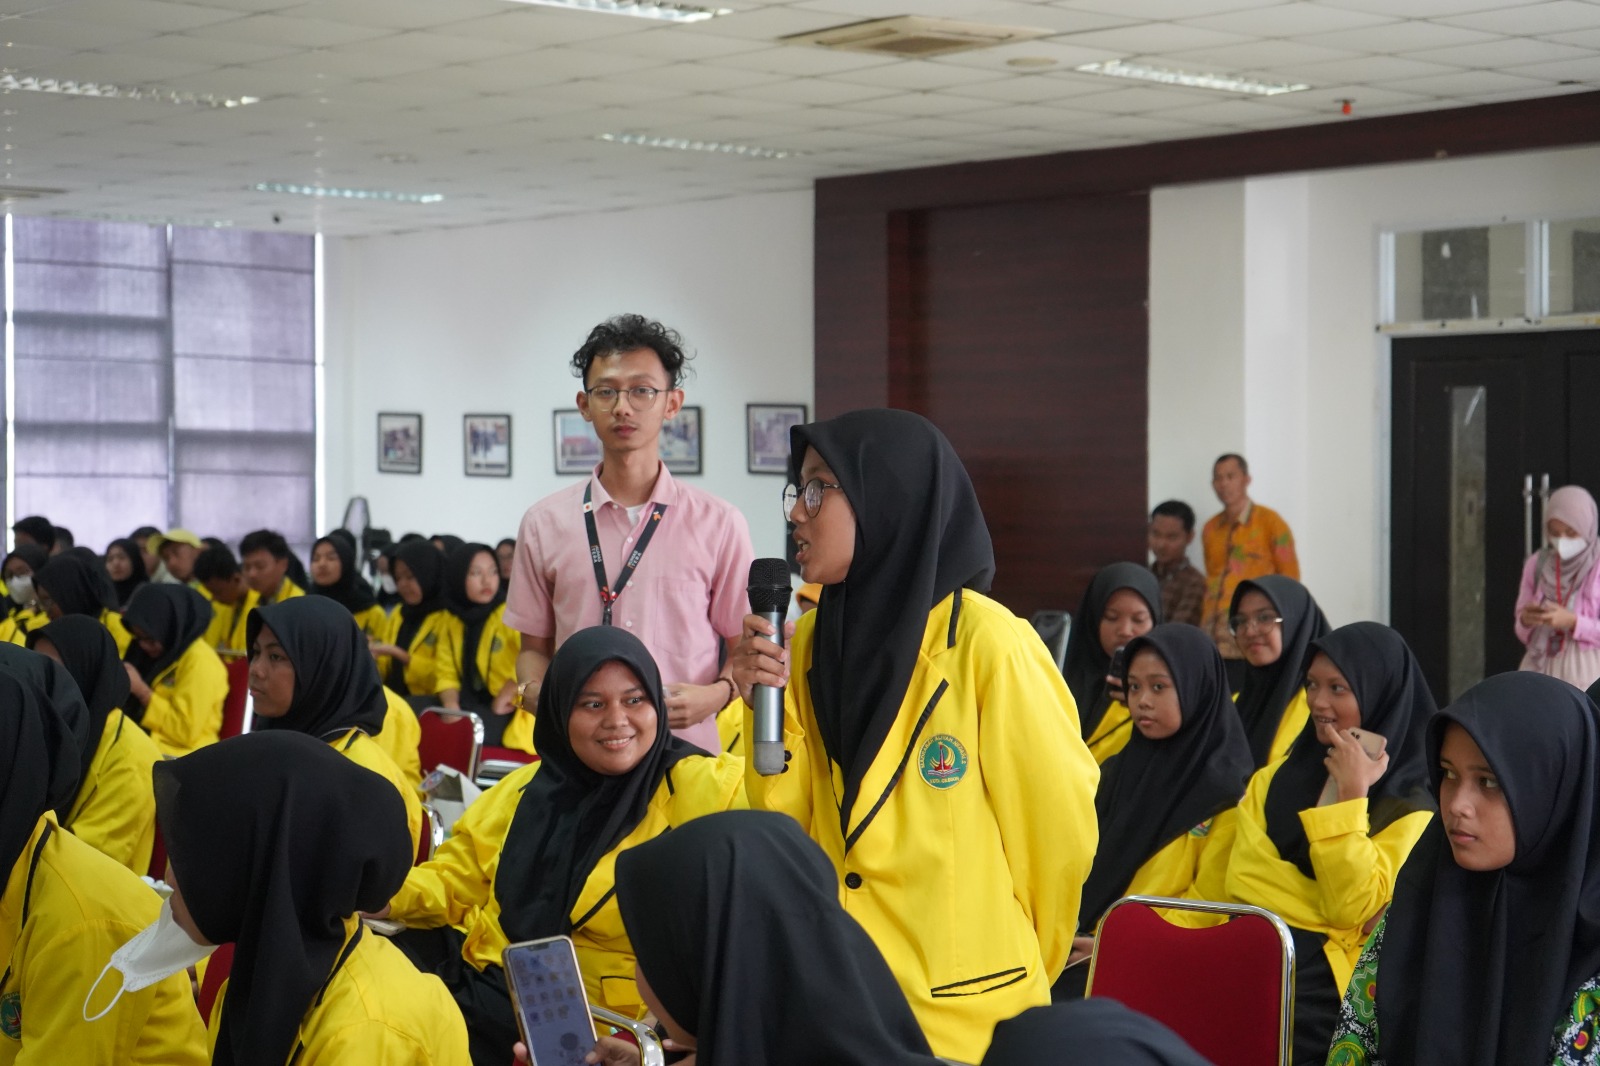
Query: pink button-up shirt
686, 596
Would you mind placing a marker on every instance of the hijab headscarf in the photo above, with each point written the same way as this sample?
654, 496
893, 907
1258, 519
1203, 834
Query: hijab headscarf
136, 576
1154, 791
38, 763
50, 682
350, 591
570, 816
1395, 703
448, 542
276, 839
1478, 968
426, 564
76, 585
89, 657
35, 557
1268, 690
1087, 661
920, 536
474, 616
1574, 506
754, 920
1096, 1030
174, 615
336, 685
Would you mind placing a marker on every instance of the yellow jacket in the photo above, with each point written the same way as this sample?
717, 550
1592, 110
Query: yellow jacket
497, 652
112, 620
365, 751
1171, 871
66, 908
1355, 872
975, 827
421, 673
378, 1010
1290, 725
185, 709
226, 633
374, 622
1112, 734
14, 629
401, 736
115, 811
455, 887
730, 729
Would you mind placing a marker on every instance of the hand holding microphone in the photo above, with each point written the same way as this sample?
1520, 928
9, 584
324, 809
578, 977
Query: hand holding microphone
760, 664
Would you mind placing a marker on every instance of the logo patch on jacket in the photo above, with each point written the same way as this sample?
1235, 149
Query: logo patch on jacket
11, 1015
942, 761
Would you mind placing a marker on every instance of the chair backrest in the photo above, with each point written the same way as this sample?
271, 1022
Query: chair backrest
432, 833
450, 738
1227, 989
233, 706
1053, 628
218, 966
158, 855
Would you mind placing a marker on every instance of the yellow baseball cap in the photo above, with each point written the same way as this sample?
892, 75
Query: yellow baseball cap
176, 536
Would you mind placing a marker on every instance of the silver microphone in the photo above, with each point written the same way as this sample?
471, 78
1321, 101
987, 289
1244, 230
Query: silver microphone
769, 598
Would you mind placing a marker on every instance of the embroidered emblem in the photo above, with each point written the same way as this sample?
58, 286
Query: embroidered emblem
495, 645
1201, 830
11, 1015
942, 761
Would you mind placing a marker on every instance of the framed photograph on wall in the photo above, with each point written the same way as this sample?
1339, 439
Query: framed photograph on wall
680, 442
767, 435
577, 447
486, 445
399, 443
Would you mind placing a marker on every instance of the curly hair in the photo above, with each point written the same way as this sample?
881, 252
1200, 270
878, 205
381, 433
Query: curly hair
627, 333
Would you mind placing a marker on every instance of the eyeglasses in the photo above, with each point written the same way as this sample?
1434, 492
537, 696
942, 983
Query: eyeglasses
811, 493
1264, 620
605, 397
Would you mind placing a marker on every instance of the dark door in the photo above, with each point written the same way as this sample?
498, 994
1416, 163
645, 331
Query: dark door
1484, 427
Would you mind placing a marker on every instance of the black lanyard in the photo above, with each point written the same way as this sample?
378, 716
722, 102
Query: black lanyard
608, 595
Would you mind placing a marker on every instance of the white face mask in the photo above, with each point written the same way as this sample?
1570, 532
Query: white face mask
1569, 548
154, 954
21, 588
386, 582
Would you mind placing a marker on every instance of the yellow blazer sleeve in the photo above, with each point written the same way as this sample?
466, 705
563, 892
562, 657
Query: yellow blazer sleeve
187, 712
373, 621
422, 672
498, 651
1170, 872
447, 665
119, 632
388, 634
790, 791
1112, 734
1356, 872
366, 752
1211, 872
116, 813
401, 736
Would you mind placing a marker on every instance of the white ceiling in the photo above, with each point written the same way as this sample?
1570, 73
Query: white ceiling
496, 105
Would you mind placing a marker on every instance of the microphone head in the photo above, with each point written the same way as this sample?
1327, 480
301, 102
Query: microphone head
769, 586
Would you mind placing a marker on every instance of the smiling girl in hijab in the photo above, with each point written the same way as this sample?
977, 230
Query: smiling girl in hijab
1490, 954
535, 855
310, 672
114, 810
334, 574
179, 684
1326, 864
71, 584
1558, 606
274, 843
478, 654
1274, 620
1122, 601
928, 730
409, 649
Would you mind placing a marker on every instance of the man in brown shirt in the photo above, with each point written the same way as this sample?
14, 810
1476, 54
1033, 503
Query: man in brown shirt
1183, 588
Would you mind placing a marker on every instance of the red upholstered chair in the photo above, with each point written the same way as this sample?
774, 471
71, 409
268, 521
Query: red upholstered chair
158, 855
496, 762
218, 967
450, 738
238, 698
1228, 989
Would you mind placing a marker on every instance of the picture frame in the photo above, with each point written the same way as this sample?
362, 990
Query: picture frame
486, 445
766, 428
681, 441
577, 447
399, 442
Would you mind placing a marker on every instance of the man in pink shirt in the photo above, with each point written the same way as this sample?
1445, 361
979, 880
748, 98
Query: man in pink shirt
631, 546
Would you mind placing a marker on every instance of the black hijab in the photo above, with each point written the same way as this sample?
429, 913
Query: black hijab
89, 657
38, 763
174, 615
752, 920
1268, 690
35, 557
426, 564
276, 839
569, 816
350, 591
77, 585
1087, 661
1395, 703
920, 536
51, 682
136, 577
336, 685
1095, 1030
448, 542
1480, 967
474, 616
1154, 791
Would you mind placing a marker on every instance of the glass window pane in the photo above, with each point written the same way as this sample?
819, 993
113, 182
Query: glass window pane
235, 394
229, 506
1469, 420
1469, 273
97, 509
1574, 250
238, 247
58, 240
237, 311
84, 391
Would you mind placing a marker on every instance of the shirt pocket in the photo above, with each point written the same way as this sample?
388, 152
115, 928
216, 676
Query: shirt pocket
678, 619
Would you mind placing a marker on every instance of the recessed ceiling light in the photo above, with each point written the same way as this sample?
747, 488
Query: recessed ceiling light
682, 144
12, 83
323, 192
665, 12
1227, 83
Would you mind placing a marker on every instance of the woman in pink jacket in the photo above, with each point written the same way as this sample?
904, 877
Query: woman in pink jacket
1558, 609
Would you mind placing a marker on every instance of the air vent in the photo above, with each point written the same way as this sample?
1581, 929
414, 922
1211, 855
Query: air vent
915, 37
16, 194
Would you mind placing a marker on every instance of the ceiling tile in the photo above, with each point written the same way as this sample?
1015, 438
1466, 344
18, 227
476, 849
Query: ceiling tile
801, 91
909, 74
436, 49
924, 127
926, 104
51, 33
1424, 9
827, 118
283, 29
803, 61
1580, 70
1534, 20
1287, 20
766, 23
1062, 50
179, 46
1230, 113
410, 14
124, 69
1155, 38
1393, 37
1581, 38
696, 78
1034, 88
1258, 55
1468, 83
1368, 69
1509, 52
356, 63
726, 104
150, 15
1165, 9
1136, 98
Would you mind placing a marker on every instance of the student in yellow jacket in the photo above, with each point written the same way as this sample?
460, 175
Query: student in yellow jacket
1123, 601
218, 572
407, 654
65, 908
535, 856
1322, 833
274, 843
935, 751
1186, 763
477, 658
72, 584
114, 810
310, 672
1273, 621
335, 574
19, 611
179, 684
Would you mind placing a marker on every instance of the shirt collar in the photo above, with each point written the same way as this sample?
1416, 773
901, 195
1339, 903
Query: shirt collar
665, 489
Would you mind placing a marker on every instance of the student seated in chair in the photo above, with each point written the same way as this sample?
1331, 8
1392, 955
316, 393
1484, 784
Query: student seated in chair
264, 559
179, 684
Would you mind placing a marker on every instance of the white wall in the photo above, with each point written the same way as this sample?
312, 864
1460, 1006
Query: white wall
1264, 296
485, 319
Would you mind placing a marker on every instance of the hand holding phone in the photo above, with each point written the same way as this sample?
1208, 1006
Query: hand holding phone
1356, 761
551, 1004
1119, 666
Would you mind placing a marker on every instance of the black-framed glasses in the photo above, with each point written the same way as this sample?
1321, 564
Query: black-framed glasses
811, 493
1261, 620
605, 397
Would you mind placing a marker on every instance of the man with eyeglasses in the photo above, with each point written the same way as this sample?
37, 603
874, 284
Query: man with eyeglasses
630, 545
1243, 541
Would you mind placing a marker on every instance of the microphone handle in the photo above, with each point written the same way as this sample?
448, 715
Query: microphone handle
766, 743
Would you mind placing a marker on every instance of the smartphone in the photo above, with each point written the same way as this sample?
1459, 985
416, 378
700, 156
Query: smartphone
552, 1007
1371, 743
1119, 663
